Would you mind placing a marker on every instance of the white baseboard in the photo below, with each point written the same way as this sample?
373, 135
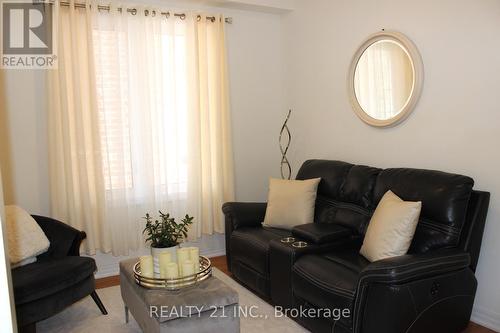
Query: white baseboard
486, 318
106, 273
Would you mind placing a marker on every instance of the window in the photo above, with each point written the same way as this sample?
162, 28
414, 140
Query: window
142, 127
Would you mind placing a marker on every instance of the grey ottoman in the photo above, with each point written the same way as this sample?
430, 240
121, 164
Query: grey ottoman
210, 306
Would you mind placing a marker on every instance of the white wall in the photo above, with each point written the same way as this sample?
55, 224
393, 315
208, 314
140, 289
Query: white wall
456, 125
257, 100
25, 157
254, 43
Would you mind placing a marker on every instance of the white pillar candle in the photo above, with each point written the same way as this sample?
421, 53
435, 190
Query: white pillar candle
194, 255
147, 266
187, 268
165, 258
170, 271
182, 255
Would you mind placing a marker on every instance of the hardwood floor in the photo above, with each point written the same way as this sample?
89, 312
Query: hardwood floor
106, 282
475, 328
220, 263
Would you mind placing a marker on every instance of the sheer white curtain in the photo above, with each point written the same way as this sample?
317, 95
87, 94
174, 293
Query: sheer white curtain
155, 124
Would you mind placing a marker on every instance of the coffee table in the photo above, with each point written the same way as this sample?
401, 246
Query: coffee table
210, 306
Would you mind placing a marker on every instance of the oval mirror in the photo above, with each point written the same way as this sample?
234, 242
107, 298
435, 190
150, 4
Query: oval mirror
385, 79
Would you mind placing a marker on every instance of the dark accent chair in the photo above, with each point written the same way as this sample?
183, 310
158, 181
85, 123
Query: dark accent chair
430, 289
56, 280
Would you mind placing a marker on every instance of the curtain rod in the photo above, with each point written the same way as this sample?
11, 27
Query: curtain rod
134, 11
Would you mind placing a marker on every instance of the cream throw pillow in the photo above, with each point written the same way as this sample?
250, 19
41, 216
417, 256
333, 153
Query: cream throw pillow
391, 228
25, 237
290, 202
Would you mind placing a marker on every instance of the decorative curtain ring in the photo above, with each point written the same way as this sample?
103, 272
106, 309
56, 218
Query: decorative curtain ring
133, 11
146, 12
198, 18
183, 16
153, 13
212, 19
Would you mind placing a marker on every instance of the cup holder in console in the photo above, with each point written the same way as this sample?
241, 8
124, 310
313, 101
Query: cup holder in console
299, 244
288, 240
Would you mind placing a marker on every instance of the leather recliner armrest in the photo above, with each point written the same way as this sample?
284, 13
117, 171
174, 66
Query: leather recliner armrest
241, 214
404, 269
244, 214
321, 233
414, 266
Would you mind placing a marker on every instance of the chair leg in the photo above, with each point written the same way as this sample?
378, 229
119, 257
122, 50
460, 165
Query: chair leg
97, 301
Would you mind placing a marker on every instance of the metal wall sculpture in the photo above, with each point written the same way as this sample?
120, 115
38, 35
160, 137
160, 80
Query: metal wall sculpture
284, 142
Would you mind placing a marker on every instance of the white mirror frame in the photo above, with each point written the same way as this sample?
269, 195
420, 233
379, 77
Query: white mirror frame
418, 79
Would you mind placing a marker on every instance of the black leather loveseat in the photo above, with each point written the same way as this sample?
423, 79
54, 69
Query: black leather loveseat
431, 289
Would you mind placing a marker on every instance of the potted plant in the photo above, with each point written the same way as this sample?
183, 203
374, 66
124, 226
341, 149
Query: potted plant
165, 235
